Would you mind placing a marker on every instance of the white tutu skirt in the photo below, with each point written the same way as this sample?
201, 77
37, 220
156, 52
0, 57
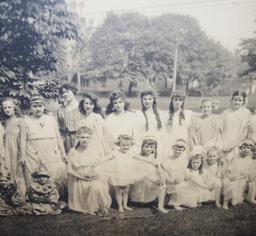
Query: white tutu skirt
189, 195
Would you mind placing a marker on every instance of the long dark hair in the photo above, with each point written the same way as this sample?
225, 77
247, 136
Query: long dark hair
175, 94
113, 96
154, 106
94, 99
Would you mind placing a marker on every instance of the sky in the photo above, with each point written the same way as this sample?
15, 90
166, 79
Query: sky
226, 21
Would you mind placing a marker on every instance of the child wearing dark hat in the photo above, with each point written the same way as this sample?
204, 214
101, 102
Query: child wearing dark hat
43, 194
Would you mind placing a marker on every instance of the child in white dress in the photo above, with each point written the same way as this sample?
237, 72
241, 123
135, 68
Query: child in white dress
194, 189
237, 174
149, 120
121, 171
152, 186
120, 120
214, 171
87, 192
175, 166
178, 121
205, 128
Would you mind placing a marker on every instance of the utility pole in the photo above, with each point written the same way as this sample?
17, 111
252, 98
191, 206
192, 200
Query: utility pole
179, 37
174, 75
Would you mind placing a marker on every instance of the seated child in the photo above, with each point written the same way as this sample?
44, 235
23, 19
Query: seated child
238, 174
152, 186
194, 189
43, 194
87, 192
213, 169
175, 165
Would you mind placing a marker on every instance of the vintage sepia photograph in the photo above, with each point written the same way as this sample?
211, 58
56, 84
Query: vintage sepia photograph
127, 117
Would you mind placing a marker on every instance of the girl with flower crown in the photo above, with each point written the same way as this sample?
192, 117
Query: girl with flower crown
120, 120
178, 121
149, 120
152, 186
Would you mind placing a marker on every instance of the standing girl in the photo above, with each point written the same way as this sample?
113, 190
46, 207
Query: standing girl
205, 128
235, 124
178, 121
195, 189
14, 142
152, 186
120, 171
87, 193
44, 146
68, 115
119, 119
92, 118
149, 121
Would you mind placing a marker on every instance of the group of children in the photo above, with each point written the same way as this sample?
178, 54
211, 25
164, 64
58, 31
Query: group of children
176, 158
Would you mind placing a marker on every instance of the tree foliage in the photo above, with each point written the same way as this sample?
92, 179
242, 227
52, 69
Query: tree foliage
29, 33
134, 46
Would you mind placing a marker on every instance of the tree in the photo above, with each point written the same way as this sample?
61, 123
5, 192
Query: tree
30, 32
140, 48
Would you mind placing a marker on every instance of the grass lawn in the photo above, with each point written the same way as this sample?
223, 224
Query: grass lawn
240, 220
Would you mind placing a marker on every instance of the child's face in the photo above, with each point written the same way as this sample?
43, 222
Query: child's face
237, 102
42, 179
148, 149
196, 163
67, 95
118, 104
246, 150
212, 158
178, 150
37, 109
125, 145
84, 139
177, 102
88, 105
8, 108
147, 101
206, 108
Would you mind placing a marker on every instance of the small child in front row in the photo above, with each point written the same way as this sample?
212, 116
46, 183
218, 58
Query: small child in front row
120, 170
214, 171
87, 192
238, 175
195, 188
175, 166
152, 186
43, 194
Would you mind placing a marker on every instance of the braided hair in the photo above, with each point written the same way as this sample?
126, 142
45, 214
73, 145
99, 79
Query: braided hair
154, 106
